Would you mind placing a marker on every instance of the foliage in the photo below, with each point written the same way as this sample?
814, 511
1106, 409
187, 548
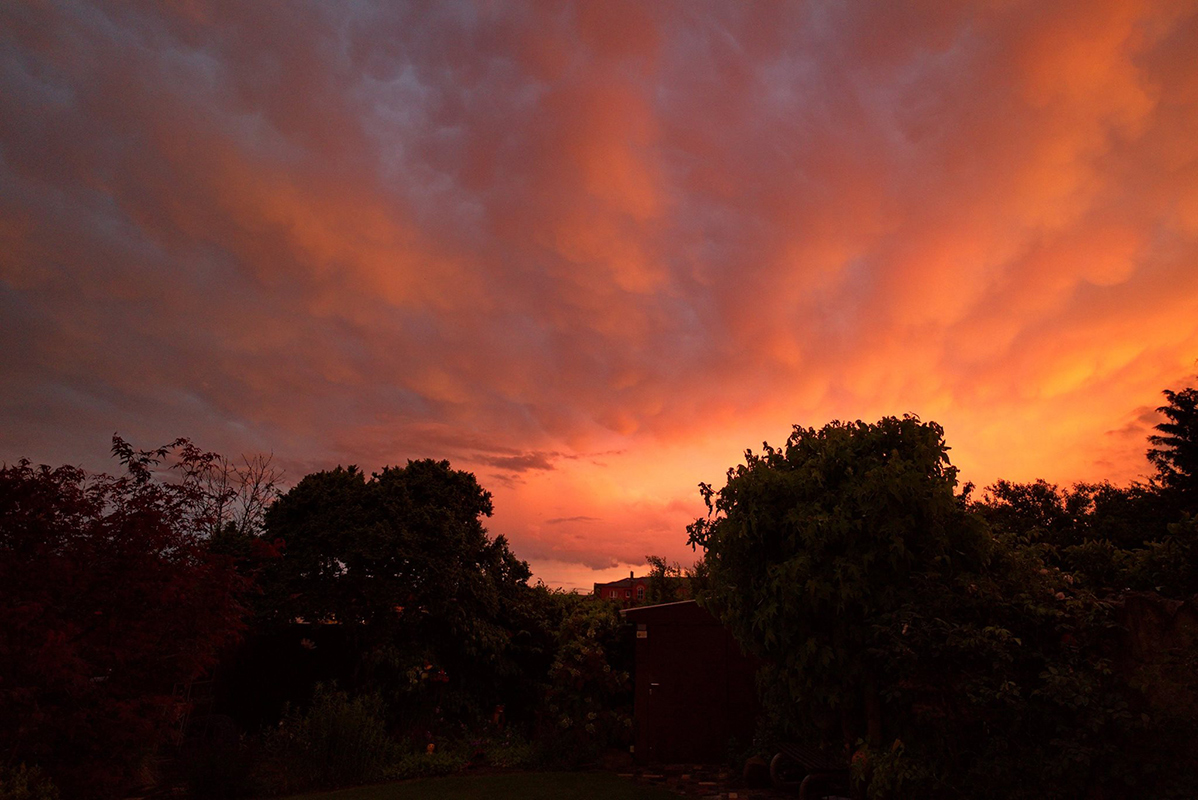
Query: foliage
510, 751
670, 582
588, 697
403, 561
1109, 538
26, 783
219, 494
810, 544
1175, 451
885, 772
1096, 563
999, 684
667, 581
404, 545
886, 612
336, 741
1043, 513
507, 786
109, 600
1168, 566
425, 765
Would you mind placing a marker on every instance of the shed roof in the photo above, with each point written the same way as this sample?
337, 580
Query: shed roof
679, 611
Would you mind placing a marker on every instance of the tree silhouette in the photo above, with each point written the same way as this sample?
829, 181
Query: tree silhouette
1175, 451
402, 561
109, 600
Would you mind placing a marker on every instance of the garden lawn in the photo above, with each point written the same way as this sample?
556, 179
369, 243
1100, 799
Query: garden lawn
516, 786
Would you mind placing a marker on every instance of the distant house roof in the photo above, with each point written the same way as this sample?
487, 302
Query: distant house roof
621, 584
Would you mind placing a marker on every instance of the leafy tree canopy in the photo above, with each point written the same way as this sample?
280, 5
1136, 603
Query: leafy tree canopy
891, 621
1041, 513
669, 582
810, 543
403, 560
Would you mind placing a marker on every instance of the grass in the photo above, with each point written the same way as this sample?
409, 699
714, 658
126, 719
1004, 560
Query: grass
513, 786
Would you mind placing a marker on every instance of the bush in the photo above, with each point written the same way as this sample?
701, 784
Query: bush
26, 783
513, 752
338, 741
425, 765
588, 701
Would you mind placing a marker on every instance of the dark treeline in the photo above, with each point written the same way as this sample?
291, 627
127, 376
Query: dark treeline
188, 624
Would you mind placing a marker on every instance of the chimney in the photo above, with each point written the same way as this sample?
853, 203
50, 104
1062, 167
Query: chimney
631, 575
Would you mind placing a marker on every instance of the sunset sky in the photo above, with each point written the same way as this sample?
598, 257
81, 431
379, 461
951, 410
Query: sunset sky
592, 252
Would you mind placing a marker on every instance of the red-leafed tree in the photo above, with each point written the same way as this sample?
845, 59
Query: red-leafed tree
110, 599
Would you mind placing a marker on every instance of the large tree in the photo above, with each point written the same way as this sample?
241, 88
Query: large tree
890, 621
403, 562
810, 545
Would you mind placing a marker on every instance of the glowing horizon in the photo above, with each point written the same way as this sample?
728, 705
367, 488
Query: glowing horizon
592, 252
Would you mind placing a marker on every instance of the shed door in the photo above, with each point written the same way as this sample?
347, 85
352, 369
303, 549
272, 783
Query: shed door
687, 703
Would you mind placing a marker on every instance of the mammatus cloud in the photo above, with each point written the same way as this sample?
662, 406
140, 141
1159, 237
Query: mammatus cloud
520, 235
522, 462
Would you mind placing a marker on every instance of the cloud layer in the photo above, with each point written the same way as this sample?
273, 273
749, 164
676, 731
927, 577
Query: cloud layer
592, 251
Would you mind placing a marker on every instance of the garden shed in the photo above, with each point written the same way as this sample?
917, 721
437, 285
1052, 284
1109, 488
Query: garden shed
695, 691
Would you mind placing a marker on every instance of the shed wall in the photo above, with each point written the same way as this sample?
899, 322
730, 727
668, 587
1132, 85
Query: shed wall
695, 690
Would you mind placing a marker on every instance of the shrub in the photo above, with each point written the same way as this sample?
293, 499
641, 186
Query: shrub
338, 741
26, 783
587, 702
425, 765
513, 752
